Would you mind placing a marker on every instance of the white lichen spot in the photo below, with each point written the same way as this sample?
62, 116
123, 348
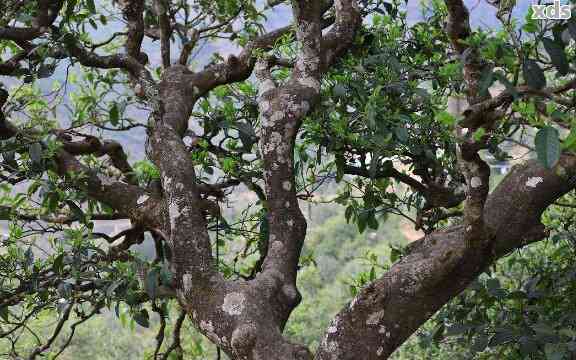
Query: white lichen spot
277, 116
272, 144
188, 141
333, 328
187, 282
380, 351
105, 180
286, 185
469, 228
206, 325
475, 182
264, 107
382, 329
179, 186
333, 347
290, 223
167, 182
287, 204
142, 199
174, 213
534, 181
353, 303
208, 329
233, 303
375, 318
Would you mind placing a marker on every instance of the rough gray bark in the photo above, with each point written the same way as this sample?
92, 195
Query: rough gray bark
442, 264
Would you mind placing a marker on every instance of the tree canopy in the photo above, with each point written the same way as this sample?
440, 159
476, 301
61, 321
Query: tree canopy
200, 129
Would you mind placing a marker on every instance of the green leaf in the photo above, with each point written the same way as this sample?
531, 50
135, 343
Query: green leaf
557, 55
34, 187
70, 8
348, 213
445, 118
76, 211
142, 318
91, 6
247, 134
486, 80
45, 70
395, 254
339, 90
114, 114
548, 146
401, 134
264, 233
570, 141
533, 74
479, 134
4, 313
480, 343
58, 263
112, 288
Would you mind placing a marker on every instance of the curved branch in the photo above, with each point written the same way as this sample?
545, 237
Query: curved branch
441, 265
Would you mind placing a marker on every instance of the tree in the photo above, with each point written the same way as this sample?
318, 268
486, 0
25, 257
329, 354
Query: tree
368, 100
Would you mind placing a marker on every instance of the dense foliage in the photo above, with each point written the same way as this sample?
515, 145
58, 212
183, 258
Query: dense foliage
381, 148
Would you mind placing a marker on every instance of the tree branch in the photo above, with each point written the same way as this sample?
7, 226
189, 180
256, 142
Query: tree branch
441, 265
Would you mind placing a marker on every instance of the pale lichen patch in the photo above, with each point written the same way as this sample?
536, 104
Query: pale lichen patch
353, 303
188, 141
475, 182
333, 347
142, 199
233, 303
105, 180
173, 213
374, 318
286, 185
534, 181
187, 282
380, 351
333, 328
